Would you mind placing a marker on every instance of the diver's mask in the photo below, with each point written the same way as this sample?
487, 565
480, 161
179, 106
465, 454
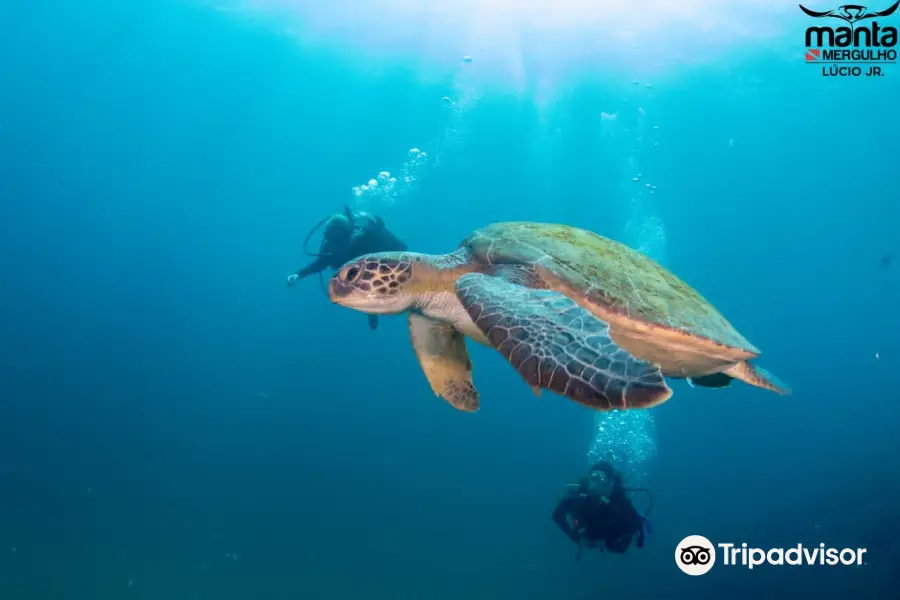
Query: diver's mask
338, 232
597, 484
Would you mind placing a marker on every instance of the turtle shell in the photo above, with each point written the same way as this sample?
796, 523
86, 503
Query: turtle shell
606, 273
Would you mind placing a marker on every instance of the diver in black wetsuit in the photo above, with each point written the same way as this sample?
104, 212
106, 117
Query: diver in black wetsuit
597, 512
346, 236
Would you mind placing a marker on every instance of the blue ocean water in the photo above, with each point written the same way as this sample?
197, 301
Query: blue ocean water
177, 423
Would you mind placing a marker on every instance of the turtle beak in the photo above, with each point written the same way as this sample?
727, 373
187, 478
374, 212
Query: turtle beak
345, 282
338, 289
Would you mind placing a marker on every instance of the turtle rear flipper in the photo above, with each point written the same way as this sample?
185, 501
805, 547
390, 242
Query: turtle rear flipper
557, 345
442, 353
754, 375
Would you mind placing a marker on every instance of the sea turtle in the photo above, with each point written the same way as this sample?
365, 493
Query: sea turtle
573, 312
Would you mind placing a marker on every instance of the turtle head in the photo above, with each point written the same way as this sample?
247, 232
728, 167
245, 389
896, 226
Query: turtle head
386, 283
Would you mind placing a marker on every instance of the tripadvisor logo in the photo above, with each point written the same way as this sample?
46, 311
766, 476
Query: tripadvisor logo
860, 45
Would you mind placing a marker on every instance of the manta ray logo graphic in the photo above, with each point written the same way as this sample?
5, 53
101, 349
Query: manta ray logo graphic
862, 40
852, 12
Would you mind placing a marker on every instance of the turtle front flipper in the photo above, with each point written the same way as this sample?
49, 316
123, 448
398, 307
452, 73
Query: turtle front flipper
557, 345
441, 350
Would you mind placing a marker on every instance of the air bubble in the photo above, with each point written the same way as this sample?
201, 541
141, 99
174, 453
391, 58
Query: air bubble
628, 440
385, 188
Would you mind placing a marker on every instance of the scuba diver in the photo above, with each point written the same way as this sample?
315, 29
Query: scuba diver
346, 236
596, 512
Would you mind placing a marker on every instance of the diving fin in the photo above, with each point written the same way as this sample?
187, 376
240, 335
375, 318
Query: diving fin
716, 380
647, 524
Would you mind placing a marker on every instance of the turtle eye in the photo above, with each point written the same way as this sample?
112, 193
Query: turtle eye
352, 273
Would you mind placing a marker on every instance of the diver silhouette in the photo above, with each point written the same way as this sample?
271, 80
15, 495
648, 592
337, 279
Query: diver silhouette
852, 13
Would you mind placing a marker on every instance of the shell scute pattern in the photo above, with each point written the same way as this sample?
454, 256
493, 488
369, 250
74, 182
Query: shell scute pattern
609, 273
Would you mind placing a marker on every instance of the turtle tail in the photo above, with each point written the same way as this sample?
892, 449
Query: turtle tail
754, 375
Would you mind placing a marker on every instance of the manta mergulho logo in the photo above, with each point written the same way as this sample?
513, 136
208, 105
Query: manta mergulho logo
860, 29
859, 40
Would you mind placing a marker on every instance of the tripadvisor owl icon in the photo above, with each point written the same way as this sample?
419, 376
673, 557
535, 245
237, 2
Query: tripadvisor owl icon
851, 41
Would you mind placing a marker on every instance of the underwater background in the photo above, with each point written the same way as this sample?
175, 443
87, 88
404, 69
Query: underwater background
176, 423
